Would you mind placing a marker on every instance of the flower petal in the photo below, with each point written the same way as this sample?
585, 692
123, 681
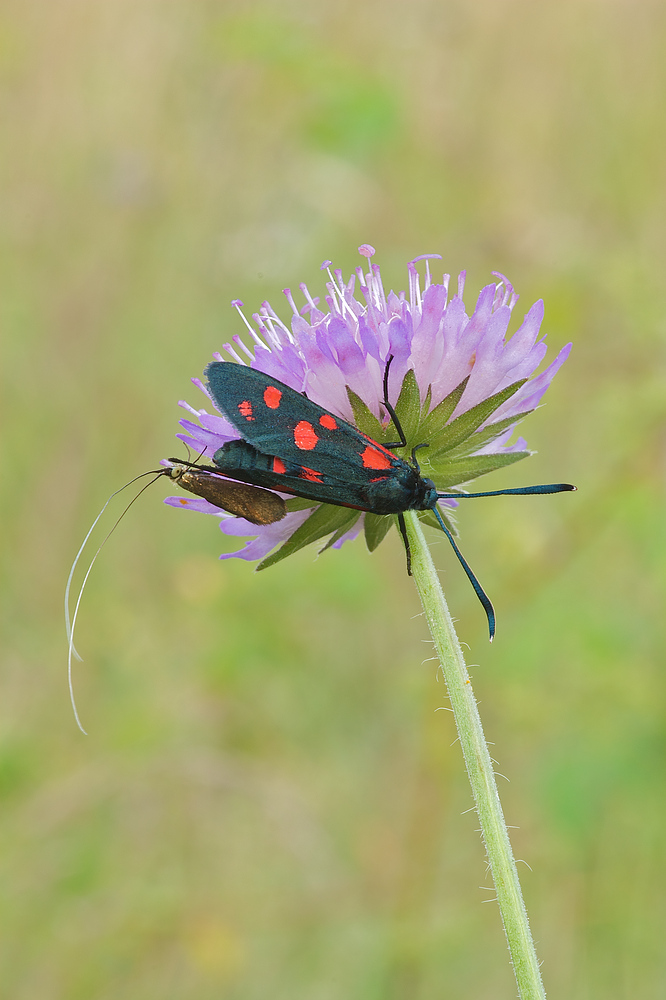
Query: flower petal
267, 537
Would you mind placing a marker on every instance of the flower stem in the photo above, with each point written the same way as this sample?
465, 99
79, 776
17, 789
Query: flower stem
479, 766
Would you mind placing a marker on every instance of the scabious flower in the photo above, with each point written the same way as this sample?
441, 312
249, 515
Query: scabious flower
456, 383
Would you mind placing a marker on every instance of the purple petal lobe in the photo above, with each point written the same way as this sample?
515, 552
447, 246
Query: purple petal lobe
197, 504
267, 538
350, 535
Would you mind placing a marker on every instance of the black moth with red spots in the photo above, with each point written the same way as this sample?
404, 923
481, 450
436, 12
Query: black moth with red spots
293, 445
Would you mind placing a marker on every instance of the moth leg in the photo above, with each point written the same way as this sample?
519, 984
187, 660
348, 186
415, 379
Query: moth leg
408, 551
402, 443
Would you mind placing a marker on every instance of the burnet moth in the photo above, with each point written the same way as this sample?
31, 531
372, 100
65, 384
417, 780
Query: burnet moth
290, 444
256, 505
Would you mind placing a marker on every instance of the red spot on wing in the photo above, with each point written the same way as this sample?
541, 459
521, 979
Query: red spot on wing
329, 422
272, 397
245, 409
310, 475
184, 502
279, 466
373, 458
305, 437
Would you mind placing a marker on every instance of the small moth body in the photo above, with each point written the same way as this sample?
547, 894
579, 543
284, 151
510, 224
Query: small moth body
256, 505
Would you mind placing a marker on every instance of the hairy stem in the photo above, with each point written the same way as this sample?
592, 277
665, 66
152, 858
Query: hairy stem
479, 766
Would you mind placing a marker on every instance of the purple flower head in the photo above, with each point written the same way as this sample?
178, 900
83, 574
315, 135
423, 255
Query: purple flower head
456, 382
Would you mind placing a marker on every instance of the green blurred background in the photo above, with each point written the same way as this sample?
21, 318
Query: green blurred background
269, 803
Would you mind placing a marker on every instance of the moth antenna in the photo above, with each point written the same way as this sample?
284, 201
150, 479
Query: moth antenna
152, 472
516, 491
70, 620
189, 454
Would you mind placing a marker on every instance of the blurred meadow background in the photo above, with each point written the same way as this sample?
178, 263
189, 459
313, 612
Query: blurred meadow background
268, 803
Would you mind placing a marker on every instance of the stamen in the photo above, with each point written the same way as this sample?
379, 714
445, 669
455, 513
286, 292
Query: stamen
426, 256
270, 320
270, 314
199, 384
246, 350
237, 304
190, 409
271, 334
344, 296
340, 282
332, 297
306, 293
378, 287
446, 278
349, 289
262, 329
290, 299
232, 352
414, 296
508, 287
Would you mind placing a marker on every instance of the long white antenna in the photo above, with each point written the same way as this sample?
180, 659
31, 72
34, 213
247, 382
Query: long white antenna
70, 620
